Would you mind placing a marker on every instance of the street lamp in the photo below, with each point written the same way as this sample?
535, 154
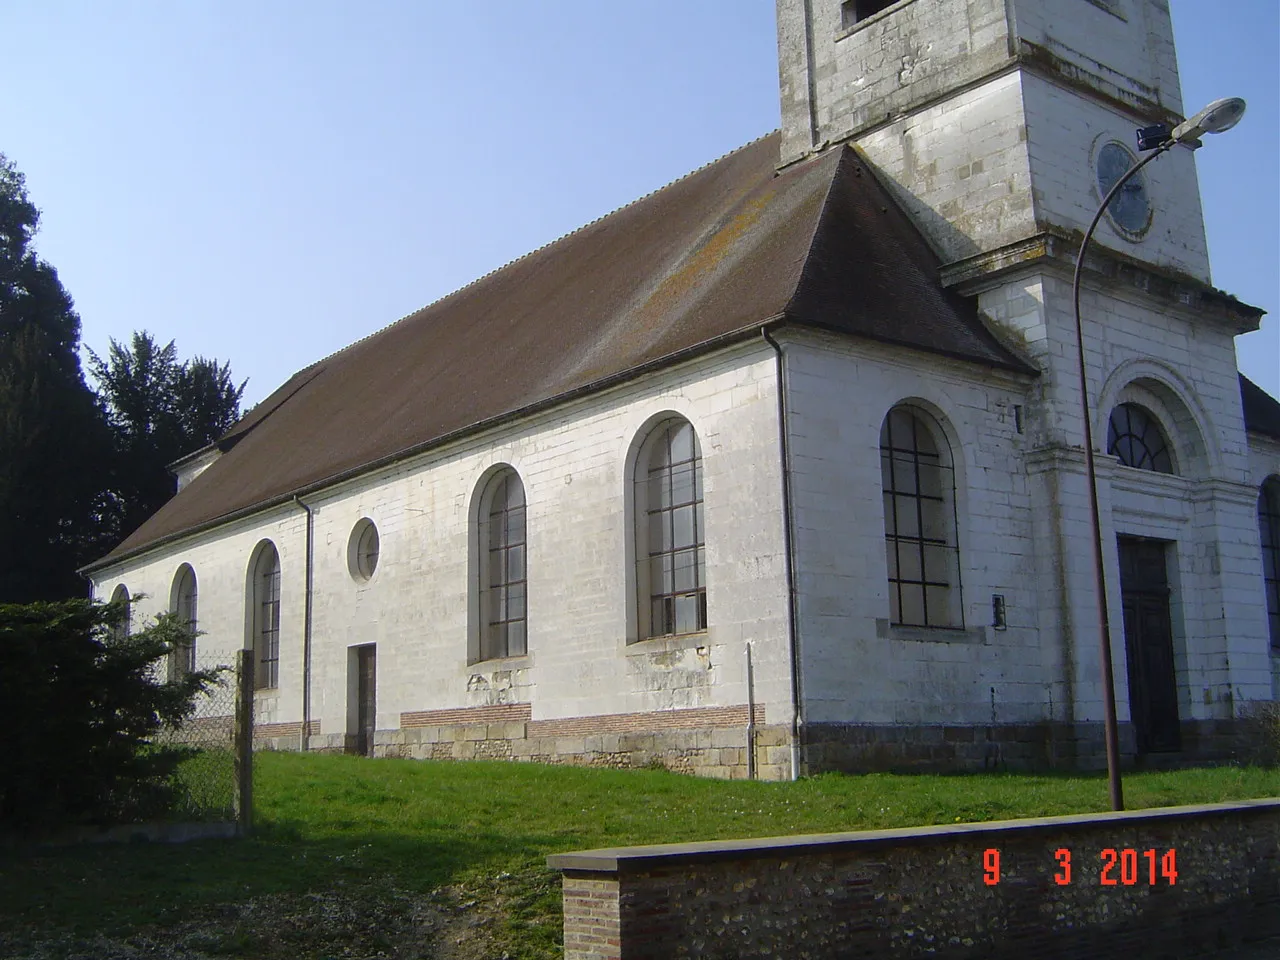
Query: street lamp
1215, 118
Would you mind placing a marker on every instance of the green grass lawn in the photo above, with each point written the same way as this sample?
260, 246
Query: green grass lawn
445, 841
206, 783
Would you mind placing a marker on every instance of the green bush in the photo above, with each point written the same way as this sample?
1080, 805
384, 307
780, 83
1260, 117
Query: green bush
81, 703
1259, 742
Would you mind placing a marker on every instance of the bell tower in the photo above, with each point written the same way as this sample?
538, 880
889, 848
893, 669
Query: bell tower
999, 126
996, 120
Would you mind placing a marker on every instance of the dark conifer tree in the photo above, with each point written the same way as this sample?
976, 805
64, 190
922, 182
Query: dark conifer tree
53, 437
160, 410
78, 470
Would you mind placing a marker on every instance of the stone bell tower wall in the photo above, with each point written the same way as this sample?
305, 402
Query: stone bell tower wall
985, 116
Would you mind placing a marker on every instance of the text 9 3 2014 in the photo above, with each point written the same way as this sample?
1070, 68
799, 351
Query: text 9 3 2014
1113, 867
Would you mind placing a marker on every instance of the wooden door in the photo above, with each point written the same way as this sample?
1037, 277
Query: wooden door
366, 699
1148, 640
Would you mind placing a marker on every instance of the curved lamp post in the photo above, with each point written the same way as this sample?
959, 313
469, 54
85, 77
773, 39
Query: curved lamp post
1215, 118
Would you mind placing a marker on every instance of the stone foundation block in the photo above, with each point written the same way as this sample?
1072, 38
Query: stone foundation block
772, 736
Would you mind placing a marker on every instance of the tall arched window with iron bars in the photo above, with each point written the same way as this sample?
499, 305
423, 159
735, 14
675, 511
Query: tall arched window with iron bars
503, 568
265, 609
671, 565
921, 549
121, 595
1269, 530
182, 659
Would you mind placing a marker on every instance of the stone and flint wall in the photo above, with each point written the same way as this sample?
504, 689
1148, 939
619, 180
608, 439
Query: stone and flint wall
940, 891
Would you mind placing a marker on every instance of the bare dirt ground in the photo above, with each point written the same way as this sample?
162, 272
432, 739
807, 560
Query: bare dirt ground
451, 923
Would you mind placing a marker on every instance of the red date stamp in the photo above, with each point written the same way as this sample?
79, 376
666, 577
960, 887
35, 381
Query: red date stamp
1126, 867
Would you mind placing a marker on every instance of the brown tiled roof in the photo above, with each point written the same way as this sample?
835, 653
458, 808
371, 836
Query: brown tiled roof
1261, 410
706, 259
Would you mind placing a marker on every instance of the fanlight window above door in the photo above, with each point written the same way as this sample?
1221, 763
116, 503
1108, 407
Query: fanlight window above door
1135, 437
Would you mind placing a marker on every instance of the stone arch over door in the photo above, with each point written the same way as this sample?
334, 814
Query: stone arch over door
1173, 403
1156, 538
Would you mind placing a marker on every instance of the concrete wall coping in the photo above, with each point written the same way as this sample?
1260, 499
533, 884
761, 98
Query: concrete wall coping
655, 856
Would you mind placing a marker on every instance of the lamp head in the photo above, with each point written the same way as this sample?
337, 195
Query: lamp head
1215, 118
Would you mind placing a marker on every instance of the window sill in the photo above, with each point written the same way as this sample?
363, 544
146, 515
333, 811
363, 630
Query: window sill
679, 641
520, 662
1107, 6
897, 631
844, 32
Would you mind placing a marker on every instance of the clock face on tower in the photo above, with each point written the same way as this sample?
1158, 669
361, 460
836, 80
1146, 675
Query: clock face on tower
1130, 209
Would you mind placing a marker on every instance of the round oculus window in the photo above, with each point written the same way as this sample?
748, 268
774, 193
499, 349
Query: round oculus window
362, 549
1130, 209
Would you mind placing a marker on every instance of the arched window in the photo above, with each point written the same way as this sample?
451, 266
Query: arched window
919, 521
182, 659
1269, 528
501, 551
264, 601
1134, 436
121, 629
671, 565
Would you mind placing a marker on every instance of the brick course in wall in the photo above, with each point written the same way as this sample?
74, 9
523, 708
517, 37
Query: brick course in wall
282, 736
733, 716
924, 892
496, 713
266, 730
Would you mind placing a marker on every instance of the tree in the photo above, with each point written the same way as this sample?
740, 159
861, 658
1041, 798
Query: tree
53, 436
84, 703
79, 471
159, 410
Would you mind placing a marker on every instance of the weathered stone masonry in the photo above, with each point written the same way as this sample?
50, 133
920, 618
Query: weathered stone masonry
922, 892
711, 741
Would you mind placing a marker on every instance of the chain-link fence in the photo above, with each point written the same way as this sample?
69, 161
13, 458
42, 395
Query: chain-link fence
214, 782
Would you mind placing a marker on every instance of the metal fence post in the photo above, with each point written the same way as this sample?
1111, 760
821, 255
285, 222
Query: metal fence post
243, 735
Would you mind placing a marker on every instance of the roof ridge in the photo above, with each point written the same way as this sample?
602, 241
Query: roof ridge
868, 220
839, 154
549, 243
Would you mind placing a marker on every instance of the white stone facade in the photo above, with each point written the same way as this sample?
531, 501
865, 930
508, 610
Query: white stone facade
584, 658
1021, 523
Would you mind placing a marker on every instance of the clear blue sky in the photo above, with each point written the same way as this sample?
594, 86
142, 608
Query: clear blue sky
266, 182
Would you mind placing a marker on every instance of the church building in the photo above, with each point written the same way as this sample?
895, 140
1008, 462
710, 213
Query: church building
781, 468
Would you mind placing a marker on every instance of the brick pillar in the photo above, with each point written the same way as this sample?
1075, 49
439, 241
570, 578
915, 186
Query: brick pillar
592, 925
